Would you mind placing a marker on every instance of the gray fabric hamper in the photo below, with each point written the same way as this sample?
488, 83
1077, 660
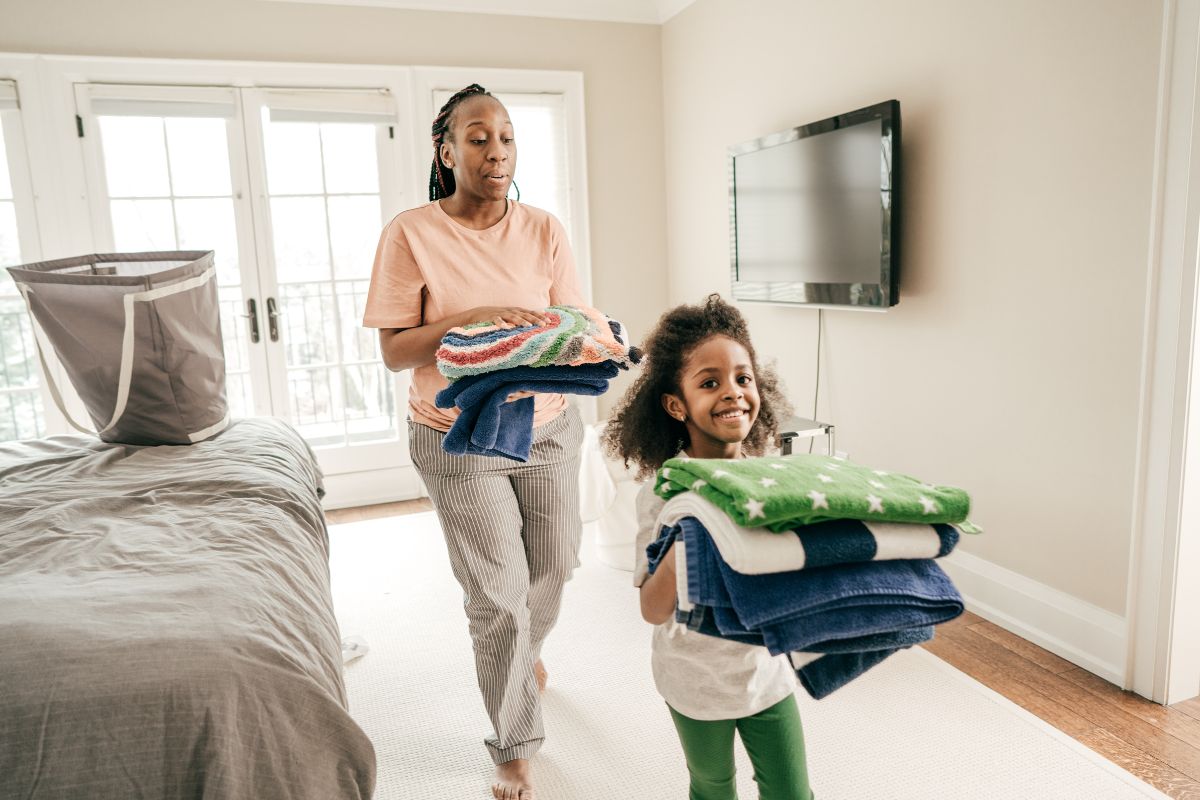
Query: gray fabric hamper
139, 335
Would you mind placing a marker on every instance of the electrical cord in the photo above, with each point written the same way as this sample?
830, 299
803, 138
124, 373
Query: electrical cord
817, 383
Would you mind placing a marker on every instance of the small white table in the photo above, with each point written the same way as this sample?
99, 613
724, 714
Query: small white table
801, 428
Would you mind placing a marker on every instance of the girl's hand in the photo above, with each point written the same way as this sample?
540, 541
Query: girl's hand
507, 316
518, 396
667, 562
658, 592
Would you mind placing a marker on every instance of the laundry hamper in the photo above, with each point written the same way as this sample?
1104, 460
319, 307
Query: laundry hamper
139, 336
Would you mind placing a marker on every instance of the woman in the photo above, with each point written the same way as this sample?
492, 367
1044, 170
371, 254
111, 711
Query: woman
512, 530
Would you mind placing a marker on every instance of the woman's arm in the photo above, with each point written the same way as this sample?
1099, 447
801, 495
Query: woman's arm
405, 348
658, 592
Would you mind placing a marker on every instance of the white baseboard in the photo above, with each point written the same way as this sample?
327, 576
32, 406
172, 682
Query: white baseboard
1084, 634
375, 486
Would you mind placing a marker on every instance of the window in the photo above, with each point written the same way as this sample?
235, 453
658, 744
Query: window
286, 187
22, 412
167, 174
289, 173
327, 164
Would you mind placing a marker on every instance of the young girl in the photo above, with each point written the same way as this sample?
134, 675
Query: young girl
701, 392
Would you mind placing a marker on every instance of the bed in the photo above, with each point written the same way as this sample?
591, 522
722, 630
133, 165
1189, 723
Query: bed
166, 623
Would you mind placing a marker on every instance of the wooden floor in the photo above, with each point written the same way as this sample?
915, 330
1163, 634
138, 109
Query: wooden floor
1159, 744
375, 512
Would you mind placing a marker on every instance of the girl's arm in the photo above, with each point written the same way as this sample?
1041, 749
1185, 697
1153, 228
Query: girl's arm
405, 348
658, 592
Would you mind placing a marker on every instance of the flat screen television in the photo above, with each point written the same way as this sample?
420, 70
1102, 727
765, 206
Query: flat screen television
814, 212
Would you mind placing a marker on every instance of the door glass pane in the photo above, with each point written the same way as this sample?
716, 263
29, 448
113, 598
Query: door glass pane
350, 161
323, 179
293, 158
170, 188
199, 156
21, 412
209, 225
354, 234
135, 156
300, 228
143, 225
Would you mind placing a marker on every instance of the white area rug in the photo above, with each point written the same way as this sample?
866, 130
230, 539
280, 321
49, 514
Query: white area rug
913, 728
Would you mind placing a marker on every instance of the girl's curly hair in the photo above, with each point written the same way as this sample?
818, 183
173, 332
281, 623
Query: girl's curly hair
640, 430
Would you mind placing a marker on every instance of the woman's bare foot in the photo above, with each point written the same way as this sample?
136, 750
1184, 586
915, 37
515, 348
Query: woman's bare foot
512, 781
539, 672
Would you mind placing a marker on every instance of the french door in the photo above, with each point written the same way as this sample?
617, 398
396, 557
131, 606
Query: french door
23, 405
290, 188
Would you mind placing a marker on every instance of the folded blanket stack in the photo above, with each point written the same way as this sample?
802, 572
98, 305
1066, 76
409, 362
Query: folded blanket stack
819, 558
577, 351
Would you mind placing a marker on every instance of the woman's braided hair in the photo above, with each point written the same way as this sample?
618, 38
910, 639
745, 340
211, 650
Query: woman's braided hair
441, 177
641, 431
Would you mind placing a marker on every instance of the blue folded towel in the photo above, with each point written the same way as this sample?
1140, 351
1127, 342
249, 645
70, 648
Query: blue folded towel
820, 673
856, 614
488, 425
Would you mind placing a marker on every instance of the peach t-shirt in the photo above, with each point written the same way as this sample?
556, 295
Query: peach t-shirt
429, 267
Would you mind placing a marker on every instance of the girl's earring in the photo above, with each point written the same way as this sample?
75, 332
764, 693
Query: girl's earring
518, 188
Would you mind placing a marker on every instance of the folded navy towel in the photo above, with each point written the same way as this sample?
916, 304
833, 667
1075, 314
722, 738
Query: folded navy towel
834, 622
820, 673
488, 425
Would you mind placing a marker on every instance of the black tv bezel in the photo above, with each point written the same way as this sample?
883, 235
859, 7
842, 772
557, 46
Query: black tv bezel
865, 296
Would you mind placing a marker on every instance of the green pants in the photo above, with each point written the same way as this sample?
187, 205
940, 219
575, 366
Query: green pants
773, 739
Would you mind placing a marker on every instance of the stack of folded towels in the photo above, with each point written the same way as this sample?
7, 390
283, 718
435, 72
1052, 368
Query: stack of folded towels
577, 351
822, 559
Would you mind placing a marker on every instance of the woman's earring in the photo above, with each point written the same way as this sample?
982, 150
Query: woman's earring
518, 188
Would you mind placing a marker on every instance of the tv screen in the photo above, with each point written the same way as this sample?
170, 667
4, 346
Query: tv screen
813, 212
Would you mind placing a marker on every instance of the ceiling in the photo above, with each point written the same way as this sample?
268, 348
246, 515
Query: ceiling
650, 12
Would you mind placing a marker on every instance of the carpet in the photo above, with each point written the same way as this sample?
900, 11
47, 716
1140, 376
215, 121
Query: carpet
913, 728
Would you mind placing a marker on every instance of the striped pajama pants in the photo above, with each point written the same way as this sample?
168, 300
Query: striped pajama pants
512, 530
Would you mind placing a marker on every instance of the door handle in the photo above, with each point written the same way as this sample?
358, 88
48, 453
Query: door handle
273, 316
252, 315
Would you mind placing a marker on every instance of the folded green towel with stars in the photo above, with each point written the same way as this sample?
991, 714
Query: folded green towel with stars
782, 493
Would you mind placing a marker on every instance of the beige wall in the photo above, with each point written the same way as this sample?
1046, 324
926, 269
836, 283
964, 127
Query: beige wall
620, 65
1011, 365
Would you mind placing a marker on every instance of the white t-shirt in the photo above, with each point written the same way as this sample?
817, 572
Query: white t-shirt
701, 676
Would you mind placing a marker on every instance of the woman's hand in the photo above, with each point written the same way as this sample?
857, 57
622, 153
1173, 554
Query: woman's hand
518, 396
507, 316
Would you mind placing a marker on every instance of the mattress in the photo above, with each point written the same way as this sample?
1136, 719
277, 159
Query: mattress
166, 623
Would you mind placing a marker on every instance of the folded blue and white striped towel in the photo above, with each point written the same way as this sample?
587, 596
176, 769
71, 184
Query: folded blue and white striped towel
758, 551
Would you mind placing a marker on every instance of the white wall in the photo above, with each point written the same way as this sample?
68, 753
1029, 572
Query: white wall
620, 64
1011, 365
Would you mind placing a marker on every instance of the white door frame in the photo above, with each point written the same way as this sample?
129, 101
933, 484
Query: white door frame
1163, 660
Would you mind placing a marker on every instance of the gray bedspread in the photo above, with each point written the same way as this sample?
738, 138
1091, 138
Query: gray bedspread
166, 624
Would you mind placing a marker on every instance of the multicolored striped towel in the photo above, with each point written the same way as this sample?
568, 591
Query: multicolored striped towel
781, 493
574, 336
